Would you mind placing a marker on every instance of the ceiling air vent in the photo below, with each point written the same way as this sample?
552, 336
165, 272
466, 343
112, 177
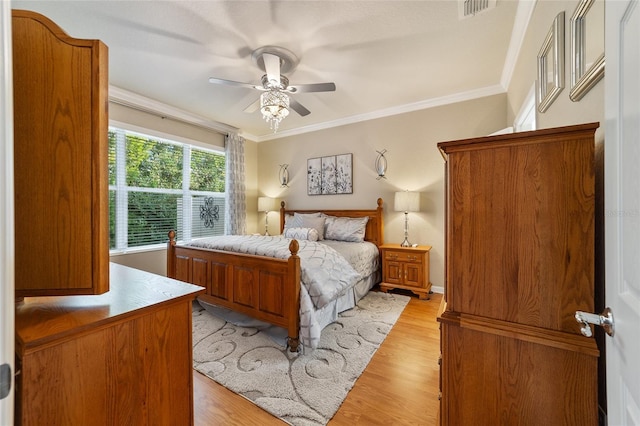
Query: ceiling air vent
469, 8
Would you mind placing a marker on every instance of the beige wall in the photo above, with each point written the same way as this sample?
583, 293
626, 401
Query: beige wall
562, 111
154, 261
155, 125
414, 163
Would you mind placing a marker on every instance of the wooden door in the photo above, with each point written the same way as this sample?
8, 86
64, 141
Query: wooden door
622, 208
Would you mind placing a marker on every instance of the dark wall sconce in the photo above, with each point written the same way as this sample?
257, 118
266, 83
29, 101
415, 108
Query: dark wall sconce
283, 176
381, 164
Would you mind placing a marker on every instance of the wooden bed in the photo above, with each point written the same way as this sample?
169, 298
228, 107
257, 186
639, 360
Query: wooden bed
264, 288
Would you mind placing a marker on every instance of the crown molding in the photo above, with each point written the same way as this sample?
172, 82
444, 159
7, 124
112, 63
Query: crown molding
152, 106
142, 103
401, 109
520, 26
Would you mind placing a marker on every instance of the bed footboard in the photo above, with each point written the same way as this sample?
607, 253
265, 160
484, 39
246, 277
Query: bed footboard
264, 288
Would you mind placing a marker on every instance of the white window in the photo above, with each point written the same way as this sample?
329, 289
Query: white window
156, 185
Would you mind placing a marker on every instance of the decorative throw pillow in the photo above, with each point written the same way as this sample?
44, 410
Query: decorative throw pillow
346, 229
310, 234
315, 222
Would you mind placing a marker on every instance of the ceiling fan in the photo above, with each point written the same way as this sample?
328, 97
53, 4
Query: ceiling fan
274, 102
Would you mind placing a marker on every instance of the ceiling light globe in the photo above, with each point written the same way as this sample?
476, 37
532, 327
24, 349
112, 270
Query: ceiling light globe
274, 106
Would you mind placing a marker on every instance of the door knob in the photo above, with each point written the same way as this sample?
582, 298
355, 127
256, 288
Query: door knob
605, 319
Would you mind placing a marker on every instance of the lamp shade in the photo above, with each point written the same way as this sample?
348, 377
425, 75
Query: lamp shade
266, 204
406, 201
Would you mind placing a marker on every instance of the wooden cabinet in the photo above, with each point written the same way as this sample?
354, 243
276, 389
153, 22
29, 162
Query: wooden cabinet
60, 160
519, 263
406, 268
123, 357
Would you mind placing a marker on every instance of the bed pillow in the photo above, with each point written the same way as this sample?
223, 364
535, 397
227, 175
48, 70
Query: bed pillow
295, 220
346, 228
327, 221
288, 221
313, 220
303, 215
310, 234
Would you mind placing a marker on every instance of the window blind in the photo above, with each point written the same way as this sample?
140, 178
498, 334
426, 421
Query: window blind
156, 185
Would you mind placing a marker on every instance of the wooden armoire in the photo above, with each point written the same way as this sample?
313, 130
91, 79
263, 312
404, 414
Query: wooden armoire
60, 110
520, 213
96, 343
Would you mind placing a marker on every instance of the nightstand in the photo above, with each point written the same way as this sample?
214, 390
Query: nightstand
406, 268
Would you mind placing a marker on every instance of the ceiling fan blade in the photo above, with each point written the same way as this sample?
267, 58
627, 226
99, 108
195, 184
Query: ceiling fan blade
272, 67
316, 87
253, 107
297, 107
234, 83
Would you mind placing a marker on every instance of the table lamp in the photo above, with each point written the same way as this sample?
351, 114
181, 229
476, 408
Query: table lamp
406, 201
266, 205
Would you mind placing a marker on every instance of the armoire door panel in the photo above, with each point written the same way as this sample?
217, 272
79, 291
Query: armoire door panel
522, 218
60, 87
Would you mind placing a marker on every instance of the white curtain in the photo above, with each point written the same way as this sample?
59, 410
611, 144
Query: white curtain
235, 213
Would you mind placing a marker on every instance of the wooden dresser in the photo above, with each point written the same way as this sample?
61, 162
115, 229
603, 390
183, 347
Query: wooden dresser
123, 357
519, 263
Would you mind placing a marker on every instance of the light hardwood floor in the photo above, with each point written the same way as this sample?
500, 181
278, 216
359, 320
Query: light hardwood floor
399, 386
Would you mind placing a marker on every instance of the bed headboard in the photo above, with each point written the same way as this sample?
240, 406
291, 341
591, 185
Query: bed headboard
375, 226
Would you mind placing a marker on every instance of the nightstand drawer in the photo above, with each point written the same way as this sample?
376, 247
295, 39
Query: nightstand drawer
400, 256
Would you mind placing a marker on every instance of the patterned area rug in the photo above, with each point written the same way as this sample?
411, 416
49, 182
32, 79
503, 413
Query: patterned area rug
301, 389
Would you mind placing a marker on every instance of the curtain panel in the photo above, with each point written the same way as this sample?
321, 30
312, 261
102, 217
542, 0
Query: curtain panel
236, 206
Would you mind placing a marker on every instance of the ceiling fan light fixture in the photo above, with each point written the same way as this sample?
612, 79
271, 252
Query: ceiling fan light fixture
274, 106
274, 101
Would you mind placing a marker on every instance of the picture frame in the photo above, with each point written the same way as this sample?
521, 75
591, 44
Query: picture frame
330, 175
314, 177
550, 80
587, 47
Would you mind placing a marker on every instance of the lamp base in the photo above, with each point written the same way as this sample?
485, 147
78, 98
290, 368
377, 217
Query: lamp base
266, 224
406, 242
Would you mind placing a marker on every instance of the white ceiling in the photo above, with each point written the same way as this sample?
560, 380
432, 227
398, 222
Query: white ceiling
385, 57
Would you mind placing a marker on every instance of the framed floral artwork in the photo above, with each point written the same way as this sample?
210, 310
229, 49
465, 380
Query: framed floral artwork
330, 175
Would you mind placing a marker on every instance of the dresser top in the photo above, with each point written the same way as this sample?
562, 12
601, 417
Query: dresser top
132, 292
